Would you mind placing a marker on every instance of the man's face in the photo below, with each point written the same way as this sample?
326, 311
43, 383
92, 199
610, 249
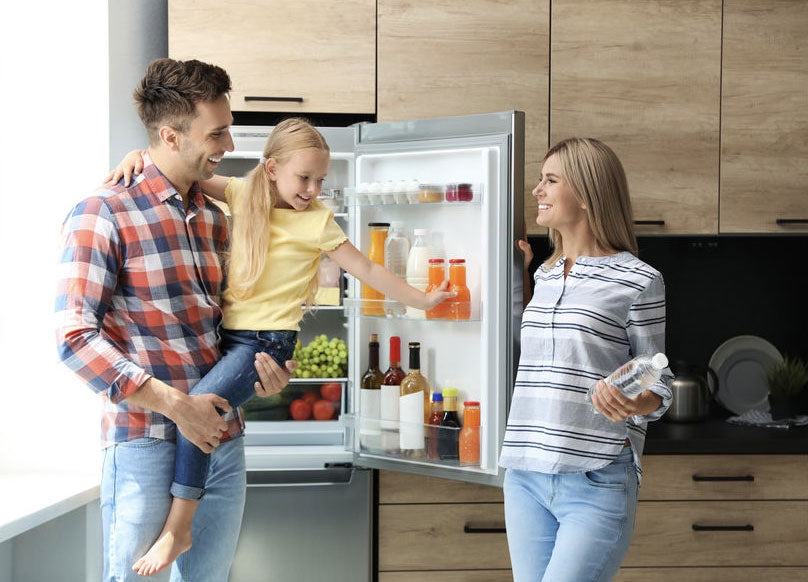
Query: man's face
202, 146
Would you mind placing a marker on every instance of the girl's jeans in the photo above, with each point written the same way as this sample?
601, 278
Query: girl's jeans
135, 503
233, 377
573, 527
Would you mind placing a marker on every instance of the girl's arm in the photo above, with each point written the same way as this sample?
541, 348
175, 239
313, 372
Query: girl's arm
132, 164
349, 258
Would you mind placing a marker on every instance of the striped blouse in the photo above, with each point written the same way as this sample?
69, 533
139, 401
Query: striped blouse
576, 331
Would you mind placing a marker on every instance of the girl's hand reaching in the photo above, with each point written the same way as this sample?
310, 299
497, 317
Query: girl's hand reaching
438, 295
132, 164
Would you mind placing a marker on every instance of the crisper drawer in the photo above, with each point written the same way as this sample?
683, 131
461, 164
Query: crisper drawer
720, 533
712, 575
674, 477
397, 487
442, 537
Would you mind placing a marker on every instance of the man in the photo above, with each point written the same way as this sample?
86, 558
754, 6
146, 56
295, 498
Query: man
140, 282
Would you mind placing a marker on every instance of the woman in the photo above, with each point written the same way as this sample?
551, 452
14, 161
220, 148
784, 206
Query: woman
572, 474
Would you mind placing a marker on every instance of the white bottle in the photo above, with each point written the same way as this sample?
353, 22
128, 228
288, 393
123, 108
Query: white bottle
635, 375
418, 267
397, 250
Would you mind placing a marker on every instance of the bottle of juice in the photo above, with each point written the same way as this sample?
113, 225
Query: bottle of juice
470, 434
437, 274
378, 236
448, 438
460, 304
435, 416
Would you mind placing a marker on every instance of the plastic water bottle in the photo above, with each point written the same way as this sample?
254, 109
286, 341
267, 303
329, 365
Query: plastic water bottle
397, 250
635, 375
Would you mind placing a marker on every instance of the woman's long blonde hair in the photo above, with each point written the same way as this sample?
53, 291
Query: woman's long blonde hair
597, 178
252, 211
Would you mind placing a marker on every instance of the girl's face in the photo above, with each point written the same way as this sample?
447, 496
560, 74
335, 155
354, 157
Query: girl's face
559, 208
299, 178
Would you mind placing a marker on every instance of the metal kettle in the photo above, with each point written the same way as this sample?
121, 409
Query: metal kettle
693, 387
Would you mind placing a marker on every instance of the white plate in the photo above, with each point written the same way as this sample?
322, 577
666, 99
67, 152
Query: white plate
741, 364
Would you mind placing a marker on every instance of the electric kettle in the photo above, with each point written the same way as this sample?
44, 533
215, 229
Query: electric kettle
693, 387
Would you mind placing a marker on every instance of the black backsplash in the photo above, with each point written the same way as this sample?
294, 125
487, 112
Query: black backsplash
723, 286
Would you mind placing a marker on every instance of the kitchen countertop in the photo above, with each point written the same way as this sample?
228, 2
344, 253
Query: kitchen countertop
715, 436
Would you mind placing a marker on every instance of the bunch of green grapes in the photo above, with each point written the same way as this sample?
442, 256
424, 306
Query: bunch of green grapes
321, 358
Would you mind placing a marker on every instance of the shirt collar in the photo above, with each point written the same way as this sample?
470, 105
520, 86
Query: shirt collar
162, 186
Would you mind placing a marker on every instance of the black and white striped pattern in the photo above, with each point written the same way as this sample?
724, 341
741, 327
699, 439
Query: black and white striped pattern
576, 331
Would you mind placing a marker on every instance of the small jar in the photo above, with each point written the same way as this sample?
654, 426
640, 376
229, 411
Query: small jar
465, 193
430, 193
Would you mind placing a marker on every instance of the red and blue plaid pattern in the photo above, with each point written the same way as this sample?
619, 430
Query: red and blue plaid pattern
139, 284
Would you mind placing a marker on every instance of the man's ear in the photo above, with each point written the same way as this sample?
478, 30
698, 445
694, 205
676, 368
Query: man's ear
169, 137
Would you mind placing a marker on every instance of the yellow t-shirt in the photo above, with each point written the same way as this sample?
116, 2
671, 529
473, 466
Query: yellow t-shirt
296, 241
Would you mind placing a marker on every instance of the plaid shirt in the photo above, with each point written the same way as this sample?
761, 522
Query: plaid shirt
139, 284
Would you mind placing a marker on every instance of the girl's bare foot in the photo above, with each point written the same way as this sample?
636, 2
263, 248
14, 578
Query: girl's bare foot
172, 541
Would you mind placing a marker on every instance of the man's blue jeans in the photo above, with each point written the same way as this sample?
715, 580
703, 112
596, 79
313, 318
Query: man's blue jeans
233, 377
573, 527
135, 500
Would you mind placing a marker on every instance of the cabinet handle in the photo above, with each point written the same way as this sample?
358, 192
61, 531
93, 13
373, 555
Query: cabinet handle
471, 529
724, 478
784, 221
288, 99
747, 527
649, 222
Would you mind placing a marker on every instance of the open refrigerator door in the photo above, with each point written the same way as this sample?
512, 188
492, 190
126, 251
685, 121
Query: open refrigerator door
457, 182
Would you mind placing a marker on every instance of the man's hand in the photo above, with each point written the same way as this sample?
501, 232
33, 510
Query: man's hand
273, 377
616, 407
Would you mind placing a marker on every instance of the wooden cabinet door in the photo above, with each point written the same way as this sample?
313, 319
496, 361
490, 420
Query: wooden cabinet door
764, 117
321, 55
644, 77
459, 57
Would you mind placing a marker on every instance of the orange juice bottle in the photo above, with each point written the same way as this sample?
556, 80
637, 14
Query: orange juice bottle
437, 273
378, 236
460, 304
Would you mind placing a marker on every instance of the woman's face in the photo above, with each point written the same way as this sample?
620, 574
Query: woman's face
299, 178
559, 208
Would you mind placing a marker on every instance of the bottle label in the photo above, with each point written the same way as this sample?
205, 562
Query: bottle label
370, 409
411, 421
389, 406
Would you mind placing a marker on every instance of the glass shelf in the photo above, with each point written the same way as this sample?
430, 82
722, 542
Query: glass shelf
389, 309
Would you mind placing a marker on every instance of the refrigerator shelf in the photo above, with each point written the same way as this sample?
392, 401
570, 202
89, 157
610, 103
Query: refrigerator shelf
445, 194
390, 309
316, 380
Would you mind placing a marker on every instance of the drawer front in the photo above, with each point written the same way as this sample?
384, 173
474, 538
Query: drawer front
739, 533
451, 576
405, 488
712, 575
675, 477
442, 537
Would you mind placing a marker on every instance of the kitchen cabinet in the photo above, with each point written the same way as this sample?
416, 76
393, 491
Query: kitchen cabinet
458, 57
303, 56
701, 517
468, 520
644, 77
764, 117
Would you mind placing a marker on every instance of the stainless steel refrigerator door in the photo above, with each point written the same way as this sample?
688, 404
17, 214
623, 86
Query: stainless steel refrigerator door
306, 526
490, 149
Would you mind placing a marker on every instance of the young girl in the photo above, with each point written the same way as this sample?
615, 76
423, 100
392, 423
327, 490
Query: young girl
280, 230
572, 475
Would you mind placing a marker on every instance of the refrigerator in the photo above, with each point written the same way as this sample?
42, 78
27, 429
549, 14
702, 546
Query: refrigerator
375, 169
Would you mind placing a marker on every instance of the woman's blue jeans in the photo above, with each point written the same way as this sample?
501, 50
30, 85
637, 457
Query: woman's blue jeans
572, 527
233, 378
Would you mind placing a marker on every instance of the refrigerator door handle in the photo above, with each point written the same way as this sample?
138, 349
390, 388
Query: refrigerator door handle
342, 477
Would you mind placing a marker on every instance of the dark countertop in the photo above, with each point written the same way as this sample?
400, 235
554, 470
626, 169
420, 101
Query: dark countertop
716, 436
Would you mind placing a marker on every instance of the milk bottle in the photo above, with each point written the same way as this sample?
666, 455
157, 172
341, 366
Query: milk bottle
418, 267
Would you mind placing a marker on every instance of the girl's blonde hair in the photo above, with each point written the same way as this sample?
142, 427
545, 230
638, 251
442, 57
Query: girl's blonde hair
252, 212
597, 178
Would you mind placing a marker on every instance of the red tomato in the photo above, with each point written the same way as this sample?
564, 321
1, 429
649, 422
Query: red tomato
331, 391
310, 396
300, 409
323, 410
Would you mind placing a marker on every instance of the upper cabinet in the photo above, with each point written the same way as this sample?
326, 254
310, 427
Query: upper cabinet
644, 77
458, 57
302, 56
764, 129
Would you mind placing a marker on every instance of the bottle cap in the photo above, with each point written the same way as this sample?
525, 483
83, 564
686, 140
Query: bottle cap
435, 261
414, 345
374, 338
395, 348
468, 403
457, 261
659, 361
437, 397
450, 392
379, 224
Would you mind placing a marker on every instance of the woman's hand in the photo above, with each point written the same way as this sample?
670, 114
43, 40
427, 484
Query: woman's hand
527, 251
130, 165
616, 407
437, 296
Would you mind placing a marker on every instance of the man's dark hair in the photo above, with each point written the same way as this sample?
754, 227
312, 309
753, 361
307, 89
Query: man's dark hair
168, 93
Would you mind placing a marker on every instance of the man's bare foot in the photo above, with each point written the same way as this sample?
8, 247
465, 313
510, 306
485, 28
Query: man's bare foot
169, 545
